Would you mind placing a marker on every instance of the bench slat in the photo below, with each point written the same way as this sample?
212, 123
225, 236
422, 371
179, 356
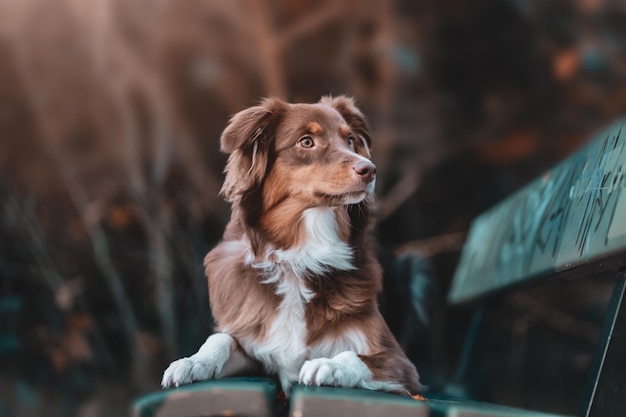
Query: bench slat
221, 397
451, 408
339, 402
573, 216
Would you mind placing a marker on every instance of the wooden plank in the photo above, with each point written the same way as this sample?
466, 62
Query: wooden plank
339, 402
571, 217
455, 408
220, 397
469, 411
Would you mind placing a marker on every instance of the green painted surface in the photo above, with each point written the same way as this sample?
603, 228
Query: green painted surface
331, 402
228, 397
451, 408
573, 215
257, 397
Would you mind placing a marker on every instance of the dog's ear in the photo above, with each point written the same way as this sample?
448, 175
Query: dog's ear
355, 119
247, 139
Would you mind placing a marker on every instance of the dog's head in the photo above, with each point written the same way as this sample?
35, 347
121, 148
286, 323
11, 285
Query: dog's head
310, 154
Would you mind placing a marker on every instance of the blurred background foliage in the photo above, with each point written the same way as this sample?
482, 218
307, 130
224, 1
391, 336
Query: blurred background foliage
110, 117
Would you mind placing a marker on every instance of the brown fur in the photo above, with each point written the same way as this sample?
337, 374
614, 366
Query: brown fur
270, 180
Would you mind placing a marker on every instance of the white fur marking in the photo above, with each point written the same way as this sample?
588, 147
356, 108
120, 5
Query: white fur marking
322, 250
344, 370
370, 187
349, 339
207, 363
283, 349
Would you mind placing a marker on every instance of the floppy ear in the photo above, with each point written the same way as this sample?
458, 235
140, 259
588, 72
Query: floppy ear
355, 119
247, 139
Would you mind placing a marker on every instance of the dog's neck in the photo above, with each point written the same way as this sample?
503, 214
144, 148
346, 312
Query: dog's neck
287, 225
319, 250
318, 235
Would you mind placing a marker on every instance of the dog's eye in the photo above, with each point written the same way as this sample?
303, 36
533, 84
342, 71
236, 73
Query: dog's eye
306, 142
351, 140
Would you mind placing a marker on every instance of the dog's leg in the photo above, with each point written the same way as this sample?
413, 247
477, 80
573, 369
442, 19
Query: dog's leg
346, 369
218, 357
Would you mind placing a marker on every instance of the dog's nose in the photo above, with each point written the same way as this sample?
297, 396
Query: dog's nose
366, 170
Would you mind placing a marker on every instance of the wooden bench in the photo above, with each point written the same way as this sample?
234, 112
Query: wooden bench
571, 222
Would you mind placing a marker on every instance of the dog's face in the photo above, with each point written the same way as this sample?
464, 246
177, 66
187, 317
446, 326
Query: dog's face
310, 154
316, 159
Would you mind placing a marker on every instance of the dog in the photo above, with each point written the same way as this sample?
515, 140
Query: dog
293, 283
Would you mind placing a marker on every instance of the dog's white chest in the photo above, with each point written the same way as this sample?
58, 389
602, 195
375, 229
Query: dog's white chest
283, 349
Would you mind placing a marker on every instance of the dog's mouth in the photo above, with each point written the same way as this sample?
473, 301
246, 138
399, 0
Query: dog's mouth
350, 197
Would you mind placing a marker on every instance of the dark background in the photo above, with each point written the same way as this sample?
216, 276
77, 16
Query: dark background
110, 117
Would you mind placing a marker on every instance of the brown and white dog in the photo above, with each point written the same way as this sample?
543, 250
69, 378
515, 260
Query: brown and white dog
293, 283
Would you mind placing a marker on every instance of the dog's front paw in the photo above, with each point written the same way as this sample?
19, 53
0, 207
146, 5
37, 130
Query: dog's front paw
344, 370
207, 363
188, 370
